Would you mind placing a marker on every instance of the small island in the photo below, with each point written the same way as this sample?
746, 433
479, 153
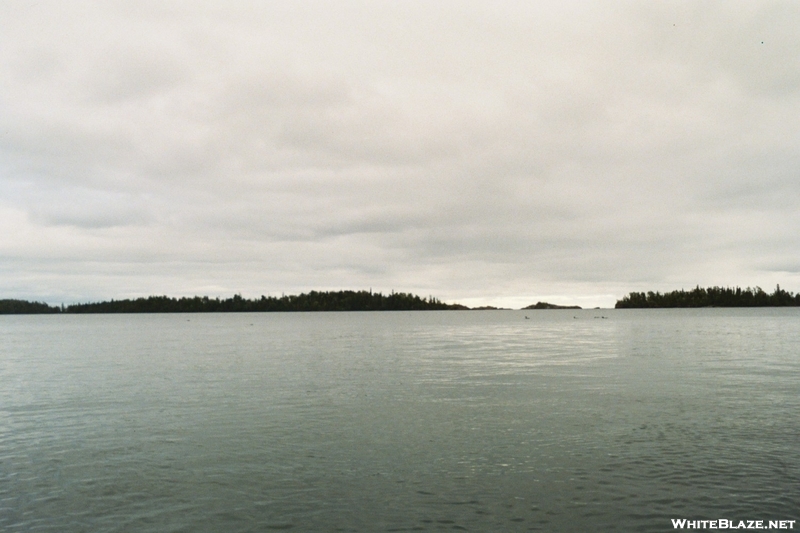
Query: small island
545, 305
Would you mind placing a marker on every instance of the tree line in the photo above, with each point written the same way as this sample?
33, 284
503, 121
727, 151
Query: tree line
311, 301
711, 297
396, 301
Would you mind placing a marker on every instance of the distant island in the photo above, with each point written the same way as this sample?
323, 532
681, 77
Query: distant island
711, 297
311, 301
545, 305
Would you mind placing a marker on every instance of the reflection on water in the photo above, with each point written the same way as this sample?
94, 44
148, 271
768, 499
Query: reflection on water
428, 421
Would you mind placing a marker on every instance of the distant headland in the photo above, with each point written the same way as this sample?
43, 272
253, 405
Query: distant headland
711, 297
311, 301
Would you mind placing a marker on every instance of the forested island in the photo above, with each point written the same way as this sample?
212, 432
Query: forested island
711, 297
311, 301
545, 305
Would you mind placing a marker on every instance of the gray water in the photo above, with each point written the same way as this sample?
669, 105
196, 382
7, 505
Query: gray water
421, 421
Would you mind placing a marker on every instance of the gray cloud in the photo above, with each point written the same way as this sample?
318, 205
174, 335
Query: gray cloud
485, 152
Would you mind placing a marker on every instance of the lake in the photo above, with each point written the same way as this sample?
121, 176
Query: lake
589, 420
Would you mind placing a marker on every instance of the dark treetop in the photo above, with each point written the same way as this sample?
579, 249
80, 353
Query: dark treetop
21, 307
711, 297
312, 301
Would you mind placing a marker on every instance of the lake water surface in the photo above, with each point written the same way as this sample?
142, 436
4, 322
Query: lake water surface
399, 421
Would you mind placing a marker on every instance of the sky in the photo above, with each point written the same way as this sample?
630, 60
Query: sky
483, 152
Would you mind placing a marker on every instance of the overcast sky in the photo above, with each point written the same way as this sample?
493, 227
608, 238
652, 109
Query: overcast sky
489, 152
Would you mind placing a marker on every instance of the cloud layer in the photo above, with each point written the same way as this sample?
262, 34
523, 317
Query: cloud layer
483, 152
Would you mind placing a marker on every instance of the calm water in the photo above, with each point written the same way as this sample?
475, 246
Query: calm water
425, 421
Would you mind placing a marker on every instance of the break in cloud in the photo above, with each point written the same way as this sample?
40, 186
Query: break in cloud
483, 152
